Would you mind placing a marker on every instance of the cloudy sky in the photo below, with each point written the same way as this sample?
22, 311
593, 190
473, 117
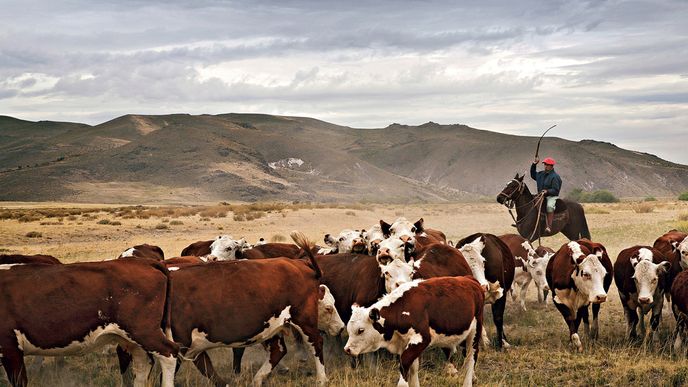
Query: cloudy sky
608, 70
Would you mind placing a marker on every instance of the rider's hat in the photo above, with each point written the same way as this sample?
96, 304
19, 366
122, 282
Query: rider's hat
549, 161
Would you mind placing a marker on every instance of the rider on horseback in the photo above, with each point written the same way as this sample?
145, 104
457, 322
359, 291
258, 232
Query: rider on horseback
549, 184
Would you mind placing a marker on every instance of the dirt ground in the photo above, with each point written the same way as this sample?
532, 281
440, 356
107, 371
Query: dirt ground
540, 354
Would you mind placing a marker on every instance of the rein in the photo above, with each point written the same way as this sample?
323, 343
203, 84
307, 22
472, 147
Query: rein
536, 204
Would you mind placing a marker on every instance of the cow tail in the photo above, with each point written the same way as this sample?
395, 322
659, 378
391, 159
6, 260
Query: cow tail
585, 232
166, 323
306, 245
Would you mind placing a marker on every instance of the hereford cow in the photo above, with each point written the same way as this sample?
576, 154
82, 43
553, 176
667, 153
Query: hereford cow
348, 241
412, 232
579, 274
18, 259
144, 251
83, 306
223, 248
441, 312
642, 274
284, 293
373, 236
529, 267
275, 250
679, 305
492, 264
674, 245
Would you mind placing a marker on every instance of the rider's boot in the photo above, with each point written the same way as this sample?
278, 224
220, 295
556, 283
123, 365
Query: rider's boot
550, 218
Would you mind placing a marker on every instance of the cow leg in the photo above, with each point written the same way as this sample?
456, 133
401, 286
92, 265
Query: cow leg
449, 369
584, 316
124, 360
595, 329
13, 362
301, 352
141, 365
544, 295
276, 350
471, 355
641, 322
168, 365
205, 366
408, 362
524, 289
498, 318
631, 321
237, 353
570, 319
655, 319
311, 334
679, 332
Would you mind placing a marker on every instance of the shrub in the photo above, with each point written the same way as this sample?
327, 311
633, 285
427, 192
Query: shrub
643, 208
162, 226
350, 213
599, 196
650, 199
34, 234
176, 223
72, 217
29, 218
103, 221
116, 223
683, 196
596, 210
683, 217
278, 238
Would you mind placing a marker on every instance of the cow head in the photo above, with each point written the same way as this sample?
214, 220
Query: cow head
373, 237
537, 267
363, 335
682, 249
328, 318
588, 274
224, 248
348, 241
261, 242
396, 273
472, 253
646, 274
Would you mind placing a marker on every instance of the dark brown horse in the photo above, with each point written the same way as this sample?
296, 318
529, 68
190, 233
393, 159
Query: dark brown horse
569, 217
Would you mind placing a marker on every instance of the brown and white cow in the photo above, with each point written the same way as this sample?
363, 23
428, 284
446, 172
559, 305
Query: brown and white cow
348, 241
223, 248
275, 250
19, 259
58, 310
674, 245
144, 251
529, 267
373, 236
679, 305
284, 293
579, 274
442, 312
642, 275
414, 233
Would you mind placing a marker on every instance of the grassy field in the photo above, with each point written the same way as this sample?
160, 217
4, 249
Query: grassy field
540, 353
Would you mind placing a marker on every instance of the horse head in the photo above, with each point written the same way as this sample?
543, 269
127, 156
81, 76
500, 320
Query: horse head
513, 189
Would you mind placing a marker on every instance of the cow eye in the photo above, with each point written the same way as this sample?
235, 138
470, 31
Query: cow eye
361, 330
539, 273
387, 275
341, 239
413, 229
654, 280
586, 275
329, 309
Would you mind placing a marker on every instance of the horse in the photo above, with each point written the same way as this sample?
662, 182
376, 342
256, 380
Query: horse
569, 217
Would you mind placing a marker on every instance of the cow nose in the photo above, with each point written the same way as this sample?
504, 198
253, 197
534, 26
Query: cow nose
347, 350
600, 298
644, 300
405, 238
383, 252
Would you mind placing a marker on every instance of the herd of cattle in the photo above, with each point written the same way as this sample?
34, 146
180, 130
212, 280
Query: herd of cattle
399, 286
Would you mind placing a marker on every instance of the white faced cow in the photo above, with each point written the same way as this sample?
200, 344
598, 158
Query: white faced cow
224, 248
642, 277
530, 267
373, 236
393, 266
442, 312
348, 241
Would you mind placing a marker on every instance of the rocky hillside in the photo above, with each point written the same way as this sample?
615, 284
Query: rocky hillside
184, 158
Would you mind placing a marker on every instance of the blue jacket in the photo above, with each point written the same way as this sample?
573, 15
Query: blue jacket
546, 181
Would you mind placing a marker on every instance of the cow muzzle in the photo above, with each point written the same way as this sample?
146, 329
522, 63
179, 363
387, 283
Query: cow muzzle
600, 298
348, 351
645, 300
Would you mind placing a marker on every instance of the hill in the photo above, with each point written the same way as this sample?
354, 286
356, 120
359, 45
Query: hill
248, 157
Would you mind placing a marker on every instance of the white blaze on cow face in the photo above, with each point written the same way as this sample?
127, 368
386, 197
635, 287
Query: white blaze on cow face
363, 337
396, 273
404, 230
683, 250
646, 275
224, 248
328, 318
589, 275
373, 236
472, 252
389, 250
346, 242
537, 268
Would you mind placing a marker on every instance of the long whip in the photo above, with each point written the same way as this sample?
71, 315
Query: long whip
537, 151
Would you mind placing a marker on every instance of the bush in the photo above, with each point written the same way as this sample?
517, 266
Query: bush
278, 238
599, 196
643, 208
103, 221
350, 213
162, 226
116, 223
176, 223
34, 234
683, 217
650, 199
683, 196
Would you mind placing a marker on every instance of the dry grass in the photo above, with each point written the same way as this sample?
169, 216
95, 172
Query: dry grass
643, 208
540, 353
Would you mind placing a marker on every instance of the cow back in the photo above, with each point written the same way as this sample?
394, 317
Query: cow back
197, 249
515, 244
272, 250
440, 260
8, 259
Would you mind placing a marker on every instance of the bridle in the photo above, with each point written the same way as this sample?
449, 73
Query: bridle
509, 198
510, 204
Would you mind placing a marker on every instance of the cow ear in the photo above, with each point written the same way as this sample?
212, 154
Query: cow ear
664, 267
450, 243
635, 259
409, 251
374, 314
419, 226
674, 247
385, 228
531, 262
321, 292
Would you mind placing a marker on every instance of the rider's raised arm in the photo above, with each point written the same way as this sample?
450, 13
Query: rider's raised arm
533, 171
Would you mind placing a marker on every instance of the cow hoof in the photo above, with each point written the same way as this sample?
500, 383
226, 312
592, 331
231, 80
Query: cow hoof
450, 370
505, 344
576, 341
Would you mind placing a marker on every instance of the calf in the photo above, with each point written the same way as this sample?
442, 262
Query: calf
579, 274
441, 312
144, 251
529, 267
492, 264
641, 274
18, 259
83, 306
284, 293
